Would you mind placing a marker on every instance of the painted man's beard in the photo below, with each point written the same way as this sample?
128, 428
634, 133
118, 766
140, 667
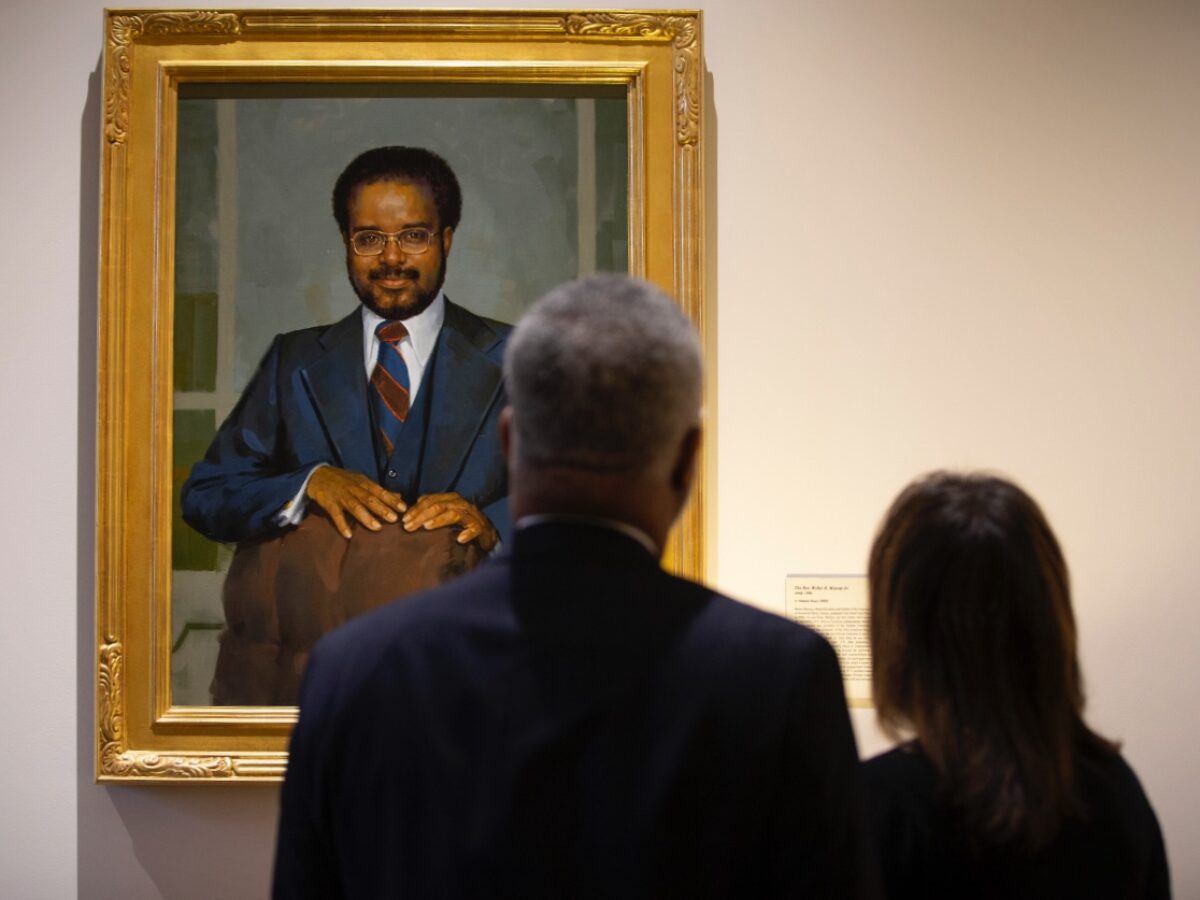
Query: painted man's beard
420, 303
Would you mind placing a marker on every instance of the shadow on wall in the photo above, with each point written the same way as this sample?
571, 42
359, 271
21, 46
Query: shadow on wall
174, 841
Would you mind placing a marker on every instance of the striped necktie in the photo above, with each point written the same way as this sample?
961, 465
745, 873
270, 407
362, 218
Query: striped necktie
389, 383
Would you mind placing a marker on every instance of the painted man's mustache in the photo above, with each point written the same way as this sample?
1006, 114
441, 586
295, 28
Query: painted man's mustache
381, 274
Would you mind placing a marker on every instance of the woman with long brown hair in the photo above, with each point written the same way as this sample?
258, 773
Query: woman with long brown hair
1002, 791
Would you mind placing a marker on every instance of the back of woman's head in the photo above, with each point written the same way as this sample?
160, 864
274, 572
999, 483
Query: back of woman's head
973, 641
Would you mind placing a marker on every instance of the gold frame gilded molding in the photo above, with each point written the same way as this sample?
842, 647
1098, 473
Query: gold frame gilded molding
655, 54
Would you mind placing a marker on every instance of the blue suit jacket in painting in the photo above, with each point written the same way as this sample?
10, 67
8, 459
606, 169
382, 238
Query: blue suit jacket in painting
569, 720
308, 404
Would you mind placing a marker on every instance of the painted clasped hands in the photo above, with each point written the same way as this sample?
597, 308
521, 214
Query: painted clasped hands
345, 495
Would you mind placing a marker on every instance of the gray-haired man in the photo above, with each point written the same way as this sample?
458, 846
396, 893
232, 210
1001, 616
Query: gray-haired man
569, 720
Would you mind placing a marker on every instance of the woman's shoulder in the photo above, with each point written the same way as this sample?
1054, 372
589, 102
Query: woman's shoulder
1112, 844
904, 768
902, 795
1114, 804
1109, 791
908, 824
1111, 847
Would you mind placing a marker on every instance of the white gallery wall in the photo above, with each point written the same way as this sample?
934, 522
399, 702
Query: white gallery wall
941, 234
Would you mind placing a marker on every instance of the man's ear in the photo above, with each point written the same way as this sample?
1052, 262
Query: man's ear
447, 240
683, 473
506, 433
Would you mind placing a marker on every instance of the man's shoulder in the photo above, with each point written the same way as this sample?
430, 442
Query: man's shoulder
755, 623
459, 314
721, 634
302, 343
904, 770
484, 333
732, 635
731, 651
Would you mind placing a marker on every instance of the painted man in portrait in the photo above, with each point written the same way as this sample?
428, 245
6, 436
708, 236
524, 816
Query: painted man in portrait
385, 417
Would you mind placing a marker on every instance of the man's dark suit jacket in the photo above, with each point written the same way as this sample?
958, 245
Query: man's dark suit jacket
570, 721
308, 404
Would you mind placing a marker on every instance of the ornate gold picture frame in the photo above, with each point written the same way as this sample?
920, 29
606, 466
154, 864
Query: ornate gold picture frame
168, 76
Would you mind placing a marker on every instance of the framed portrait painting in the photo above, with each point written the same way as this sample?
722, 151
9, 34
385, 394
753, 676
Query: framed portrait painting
253, 163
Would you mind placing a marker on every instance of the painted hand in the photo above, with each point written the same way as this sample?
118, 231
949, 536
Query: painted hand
439, 510
340, 493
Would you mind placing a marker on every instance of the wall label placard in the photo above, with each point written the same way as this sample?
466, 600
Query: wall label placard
835, 606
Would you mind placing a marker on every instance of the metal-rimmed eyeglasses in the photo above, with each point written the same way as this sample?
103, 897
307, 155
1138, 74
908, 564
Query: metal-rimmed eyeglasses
409, 240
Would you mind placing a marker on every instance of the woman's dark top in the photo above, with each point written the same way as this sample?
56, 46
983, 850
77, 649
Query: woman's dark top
1115, 850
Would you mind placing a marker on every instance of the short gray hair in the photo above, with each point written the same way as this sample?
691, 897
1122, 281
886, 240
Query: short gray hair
603, 373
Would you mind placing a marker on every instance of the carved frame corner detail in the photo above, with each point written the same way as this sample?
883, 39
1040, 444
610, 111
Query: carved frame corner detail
124, 30
114, 759
680, 31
